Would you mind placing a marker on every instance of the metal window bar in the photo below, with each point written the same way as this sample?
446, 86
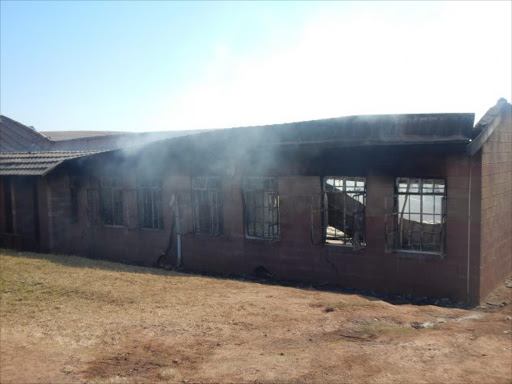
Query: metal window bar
207, 205
261, 207
111, 202
344, 206
150, 203
420, 208
92, 206
73, 196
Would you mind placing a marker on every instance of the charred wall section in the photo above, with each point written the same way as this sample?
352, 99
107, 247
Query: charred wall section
293, 256
19, 224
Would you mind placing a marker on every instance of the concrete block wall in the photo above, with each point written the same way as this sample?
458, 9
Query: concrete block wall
127, 243
293, 256
496, 206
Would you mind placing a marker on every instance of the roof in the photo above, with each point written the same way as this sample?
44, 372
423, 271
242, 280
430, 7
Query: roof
487, 124
350, 131
15, 136
114, 140
69, 135
35, 163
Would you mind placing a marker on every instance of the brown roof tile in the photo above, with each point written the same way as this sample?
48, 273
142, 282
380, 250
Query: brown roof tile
35, 163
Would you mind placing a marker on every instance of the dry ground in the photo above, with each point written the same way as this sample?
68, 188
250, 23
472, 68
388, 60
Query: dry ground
73, 320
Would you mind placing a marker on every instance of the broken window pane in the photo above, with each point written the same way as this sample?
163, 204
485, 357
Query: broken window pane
345, 202
421, 216
207, 205
261, 207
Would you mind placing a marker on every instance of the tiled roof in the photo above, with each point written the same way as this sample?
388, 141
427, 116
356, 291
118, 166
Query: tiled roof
35, 163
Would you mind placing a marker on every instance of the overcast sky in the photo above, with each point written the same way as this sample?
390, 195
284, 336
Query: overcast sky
149, 66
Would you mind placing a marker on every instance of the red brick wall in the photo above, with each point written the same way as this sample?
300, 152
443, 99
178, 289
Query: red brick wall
496, 208
293, 256
127, 243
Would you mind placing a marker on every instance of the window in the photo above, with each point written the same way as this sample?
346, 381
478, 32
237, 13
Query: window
261, 207
73, 196
92, 206
418, 219
344, 211
149, 192
111, 201
207, 205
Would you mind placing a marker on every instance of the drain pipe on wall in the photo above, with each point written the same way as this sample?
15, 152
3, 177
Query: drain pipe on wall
176, 214
468, 298
178, 236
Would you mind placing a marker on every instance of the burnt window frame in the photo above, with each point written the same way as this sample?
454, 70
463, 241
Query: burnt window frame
267, 188
207, 205
358, 218
111, 191
149, 194
92, 200
73, 200
395, 219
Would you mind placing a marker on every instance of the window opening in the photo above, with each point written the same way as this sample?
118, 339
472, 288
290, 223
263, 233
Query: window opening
417, 221
73, 196
261, 207
92, 206
111, 201
207, 205
344, 211
149, 193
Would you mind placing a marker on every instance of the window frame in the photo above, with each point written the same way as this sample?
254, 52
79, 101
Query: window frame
110, 189
265, 186
74, 200
149, 193
347, 240
398, 216
207, 188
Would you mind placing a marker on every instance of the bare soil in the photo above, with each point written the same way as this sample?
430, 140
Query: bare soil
66, 319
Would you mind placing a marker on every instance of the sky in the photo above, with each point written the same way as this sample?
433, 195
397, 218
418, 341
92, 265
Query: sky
169, 65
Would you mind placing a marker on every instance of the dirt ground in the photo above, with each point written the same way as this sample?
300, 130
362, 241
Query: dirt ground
66, 319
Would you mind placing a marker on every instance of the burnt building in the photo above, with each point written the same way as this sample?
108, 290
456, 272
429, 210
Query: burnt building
417, 204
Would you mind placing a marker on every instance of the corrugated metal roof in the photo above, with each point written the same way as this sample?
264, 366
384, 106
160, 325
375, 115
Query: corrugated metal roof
69, 135
35, 163
487, 124
16, 137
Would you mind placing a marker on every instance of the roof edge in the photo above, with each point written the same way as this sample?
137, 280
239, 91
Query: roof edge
487, 125
57, 165
26, 127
